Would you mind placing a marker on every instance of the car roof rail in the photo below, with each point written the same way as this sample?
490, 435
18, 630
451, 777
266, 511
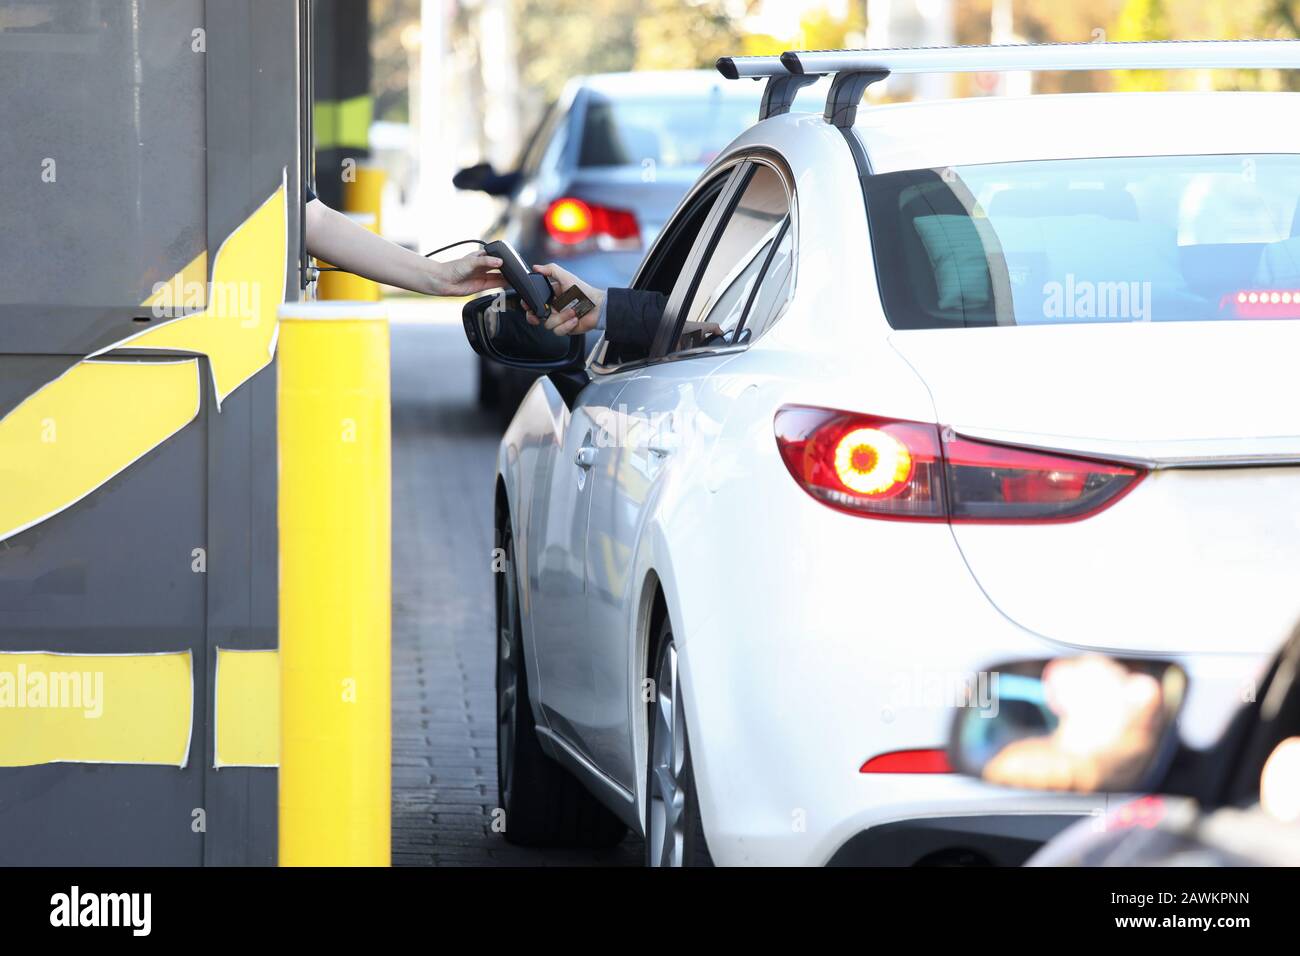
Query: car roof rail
782, 85
855, 70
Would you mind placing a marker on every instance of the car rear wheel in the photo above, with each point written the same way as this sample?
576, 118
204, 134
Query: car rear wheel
674, 834
544, 804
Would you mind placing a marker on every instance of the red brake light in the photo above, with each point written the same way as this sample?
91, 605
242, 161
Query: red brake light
573, 225
568, 221
897, 469
908, 761
863, 464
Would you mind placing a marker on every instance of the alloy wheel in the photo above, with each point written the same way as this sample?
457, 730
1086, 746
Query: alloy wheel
667, 812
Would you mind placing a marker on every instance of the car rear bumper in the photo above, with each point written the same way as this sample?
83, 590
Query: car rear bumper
992, 840
898, 820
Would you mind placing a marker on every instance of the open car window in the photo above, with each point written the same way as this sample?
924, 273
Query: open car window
668, 260
741, 250
727, 303
774, 288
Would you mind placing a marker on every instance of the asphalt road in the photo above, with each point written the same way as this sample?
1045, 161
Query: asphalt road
444, 730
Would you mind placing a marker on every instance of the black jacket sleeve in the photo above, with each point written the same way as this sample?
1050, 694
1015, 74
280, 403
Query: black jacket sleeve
632, 318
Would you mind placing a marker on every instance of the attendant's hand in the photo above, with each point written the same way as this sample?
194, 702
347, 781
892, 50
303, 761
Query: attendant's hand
468, 275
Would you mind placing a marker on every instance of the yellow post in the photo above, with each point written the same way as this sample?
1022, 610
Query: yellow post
364, 192
345, 285
335, 510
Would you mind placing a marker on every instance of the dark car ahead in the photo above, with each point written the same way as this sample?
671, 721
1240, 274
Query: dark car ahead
601, 174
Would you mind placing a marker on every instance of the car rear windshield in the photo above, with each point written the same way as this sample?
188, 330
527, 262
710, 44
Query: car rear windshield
1146, 239
662, 131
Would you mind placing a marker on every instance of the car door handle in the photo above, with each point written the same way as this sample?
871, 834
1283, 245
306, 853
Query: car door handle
586, 457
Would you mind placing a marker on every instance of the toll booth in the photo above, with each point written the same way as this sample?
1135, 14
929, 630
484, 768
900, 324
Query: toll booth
153, 159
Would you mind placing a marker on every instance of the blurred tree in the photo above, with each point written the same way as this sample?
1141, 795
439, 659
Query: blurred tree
1282, 16
1142, 20
558, 39
684, 34
819, 29
389, 80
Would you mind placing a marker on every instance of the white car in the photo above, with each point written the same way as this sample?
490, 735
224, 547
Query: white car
999, 379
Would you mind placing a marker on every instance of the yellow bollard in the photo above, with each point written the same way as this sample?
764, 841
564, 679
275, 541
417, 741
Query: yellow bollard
345, 285
365, 193
335, 513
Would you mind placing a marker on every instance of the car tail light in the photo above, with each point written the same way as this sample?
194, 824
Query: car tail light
1263, 303
908, 761
887, 468
576, 226
863, 464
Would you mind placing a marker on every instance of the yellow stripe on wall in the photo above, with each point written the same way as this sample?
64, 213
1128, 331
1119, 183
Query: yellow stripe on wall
186, 289
237, 328
85, 427
76, 432
248, 709
95, 708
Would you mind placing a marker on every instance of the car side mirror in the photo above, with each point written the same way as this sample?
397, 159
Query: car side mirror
481, 177
1087, 724
497, 330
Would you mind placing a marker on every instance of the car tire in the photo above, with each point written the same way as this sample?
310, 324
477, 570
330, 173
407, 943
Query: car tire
544, 804
674, 832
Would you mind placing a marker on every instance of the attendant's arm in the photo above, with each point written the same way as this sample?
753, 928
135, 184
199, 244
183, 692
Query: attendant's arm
346, 245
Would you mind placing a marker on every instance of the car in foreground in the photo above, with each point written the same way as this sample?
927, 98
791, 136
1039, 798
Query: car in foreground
605, 167
996, 378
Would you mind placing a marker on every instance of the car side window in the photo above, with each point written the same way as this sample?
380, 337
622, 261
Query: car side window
665, 263
736, 291
743, 249
774, 288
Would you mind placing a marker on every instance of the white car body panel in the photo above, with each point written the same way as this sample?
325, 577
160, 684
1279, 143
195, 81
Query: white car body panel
810, 640
1005, 129
1166, 555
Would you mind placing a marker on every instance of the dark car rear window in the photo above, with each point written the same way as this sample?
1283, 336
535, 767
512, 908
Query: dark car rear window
1128, 239
663, 131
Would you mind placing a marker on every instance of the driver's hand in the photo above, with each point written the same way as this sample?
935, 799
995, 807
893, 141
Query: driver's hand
567, 321
710, 329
